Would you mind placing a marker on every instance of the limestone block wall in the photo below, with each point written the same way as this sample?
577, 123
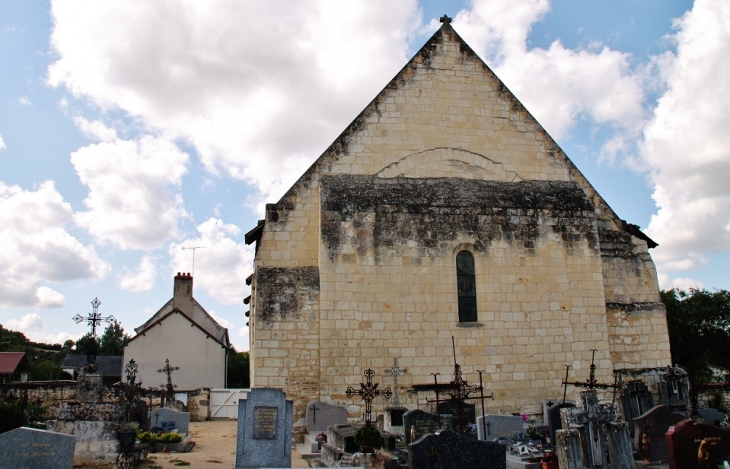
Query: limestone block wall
636, 316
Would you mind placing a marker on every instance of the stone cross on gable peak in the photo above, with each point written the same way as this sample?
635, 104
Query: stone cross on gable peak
445, 19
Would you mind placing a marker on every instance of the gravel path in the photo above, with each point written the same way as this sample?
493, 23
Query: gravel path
215, 447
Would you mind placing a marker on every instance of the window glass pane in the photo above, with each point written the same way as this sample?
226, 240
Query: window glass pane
466, 287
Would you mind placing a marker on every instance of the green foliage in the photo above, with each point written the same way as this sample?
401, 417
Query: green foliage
147, 437
36, 416
113, 340
375, 439
11, 416
238, 369
84, 344
699, 331
172, 437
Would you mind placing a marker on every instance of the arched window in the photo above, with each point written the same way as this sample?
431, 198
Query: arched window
466, 285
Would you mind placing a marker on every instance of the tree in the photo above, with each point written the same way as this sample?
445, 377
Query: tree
238, 369
83, 344
113, 340
699, 331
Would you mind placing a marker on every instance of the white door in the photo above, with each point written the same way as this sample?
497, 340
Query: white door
224, 403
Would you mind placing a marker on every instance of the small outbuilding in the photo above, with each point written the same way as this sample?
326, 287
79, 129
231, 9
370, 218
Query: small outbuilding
183, 332
13, 367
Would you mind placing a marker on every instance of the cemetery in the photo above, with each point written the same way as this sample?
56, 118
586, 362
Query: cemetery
353, 324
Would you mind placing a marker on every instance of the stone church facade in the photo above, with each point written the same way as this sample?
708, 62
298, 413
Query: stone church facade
444, 209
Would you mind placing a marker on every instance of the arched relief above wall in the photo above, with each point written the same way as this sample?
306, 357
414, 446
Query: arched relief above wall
449, 162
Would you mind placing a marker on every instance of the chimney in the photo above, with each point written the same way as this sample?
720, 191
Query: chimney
182, 297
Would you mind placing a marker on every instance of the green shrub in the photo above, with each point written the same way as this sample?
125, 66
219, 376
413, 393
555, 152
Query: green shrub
36, 416
375, 439
147, 437
172, 437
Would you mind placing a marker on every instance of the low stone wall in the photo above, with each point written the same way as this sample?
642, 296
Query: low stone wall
96, 441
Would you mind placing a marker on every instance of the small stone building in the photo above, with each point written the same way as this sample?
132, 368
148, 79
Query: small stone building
445, 209
183, 332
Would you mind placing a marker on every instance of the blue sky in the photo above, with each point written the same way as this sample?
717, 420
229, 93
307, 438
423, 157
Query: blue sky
129, 130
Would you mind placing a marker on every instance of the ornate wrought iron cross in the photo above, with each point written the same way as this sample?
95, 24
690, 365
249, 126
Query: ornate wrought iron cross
368, 391
168, 371
93, 319
395, 371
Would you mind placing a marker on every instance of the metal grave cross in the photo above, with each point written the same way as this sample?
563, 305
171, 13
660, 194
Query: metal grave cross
314, 413
93, 320
395, 371
459, 390
368, 391
168, 371
591, 383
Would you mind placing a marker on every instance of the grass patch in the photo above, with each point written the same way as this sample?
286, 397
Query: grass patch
179, 462
215, 461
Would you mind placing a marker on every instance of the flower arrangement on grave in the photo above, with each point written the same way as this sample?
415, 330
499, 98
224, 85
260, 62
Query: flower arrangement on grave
549, 460
322, 436
535, 434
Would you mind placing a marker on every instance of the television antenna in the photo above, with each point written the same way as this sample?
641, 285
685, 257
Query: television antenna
193, 249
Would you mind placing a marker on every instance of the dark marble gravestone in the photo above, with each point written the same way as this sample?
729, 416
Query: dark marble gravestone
697, 446
450, 407
417, 423
655, 422
264, 429
37, 449
447, 450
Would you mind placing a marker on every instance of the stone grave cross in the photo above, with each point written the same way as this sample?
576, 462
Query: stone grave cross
314, 413
93, 319
589, 420
170, 394
368, 391
395, 371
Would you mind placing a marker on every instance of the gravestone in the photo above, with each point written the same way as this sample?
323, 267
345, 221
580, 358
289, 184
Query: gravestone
264, 436
451, 407
165, 414
320, 416
38, 449
636, 400
417, 423
499, 426
655, 423
711, 416
447, 450
396, 416
697, 445
555, 423
142, 414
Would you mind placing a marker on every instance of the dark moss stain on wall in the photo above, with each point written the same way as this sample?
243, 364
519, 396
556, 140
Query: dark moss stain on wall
283, 293
389, 214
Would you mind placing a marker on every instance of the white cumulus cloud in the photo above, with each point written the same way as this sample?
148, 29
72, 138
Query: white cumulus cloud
36, 250
685, 144
221, 266
142, 279
95, 129
258, 93
34, 328
2, 144
133, 201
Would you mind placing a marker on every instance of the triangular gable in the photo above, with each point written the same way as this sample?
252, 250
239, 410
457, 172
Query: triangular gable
221, 333
157, 321
420, 64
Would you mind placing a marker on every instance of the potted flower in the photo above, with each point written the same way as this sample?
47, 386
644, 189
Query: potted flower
127, 435
550, 460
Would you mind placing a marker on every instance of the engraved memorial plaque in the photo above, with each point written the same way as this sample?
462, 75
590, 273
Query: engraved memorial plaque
264, 422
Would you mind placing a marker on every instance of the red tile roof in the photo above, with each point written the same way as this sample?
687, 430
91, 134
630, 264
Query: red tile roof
9, 361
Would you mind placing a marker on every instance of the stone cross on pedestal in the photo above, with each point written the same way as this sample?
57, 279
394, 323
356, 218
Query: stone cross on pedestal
395, 371
589, 421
